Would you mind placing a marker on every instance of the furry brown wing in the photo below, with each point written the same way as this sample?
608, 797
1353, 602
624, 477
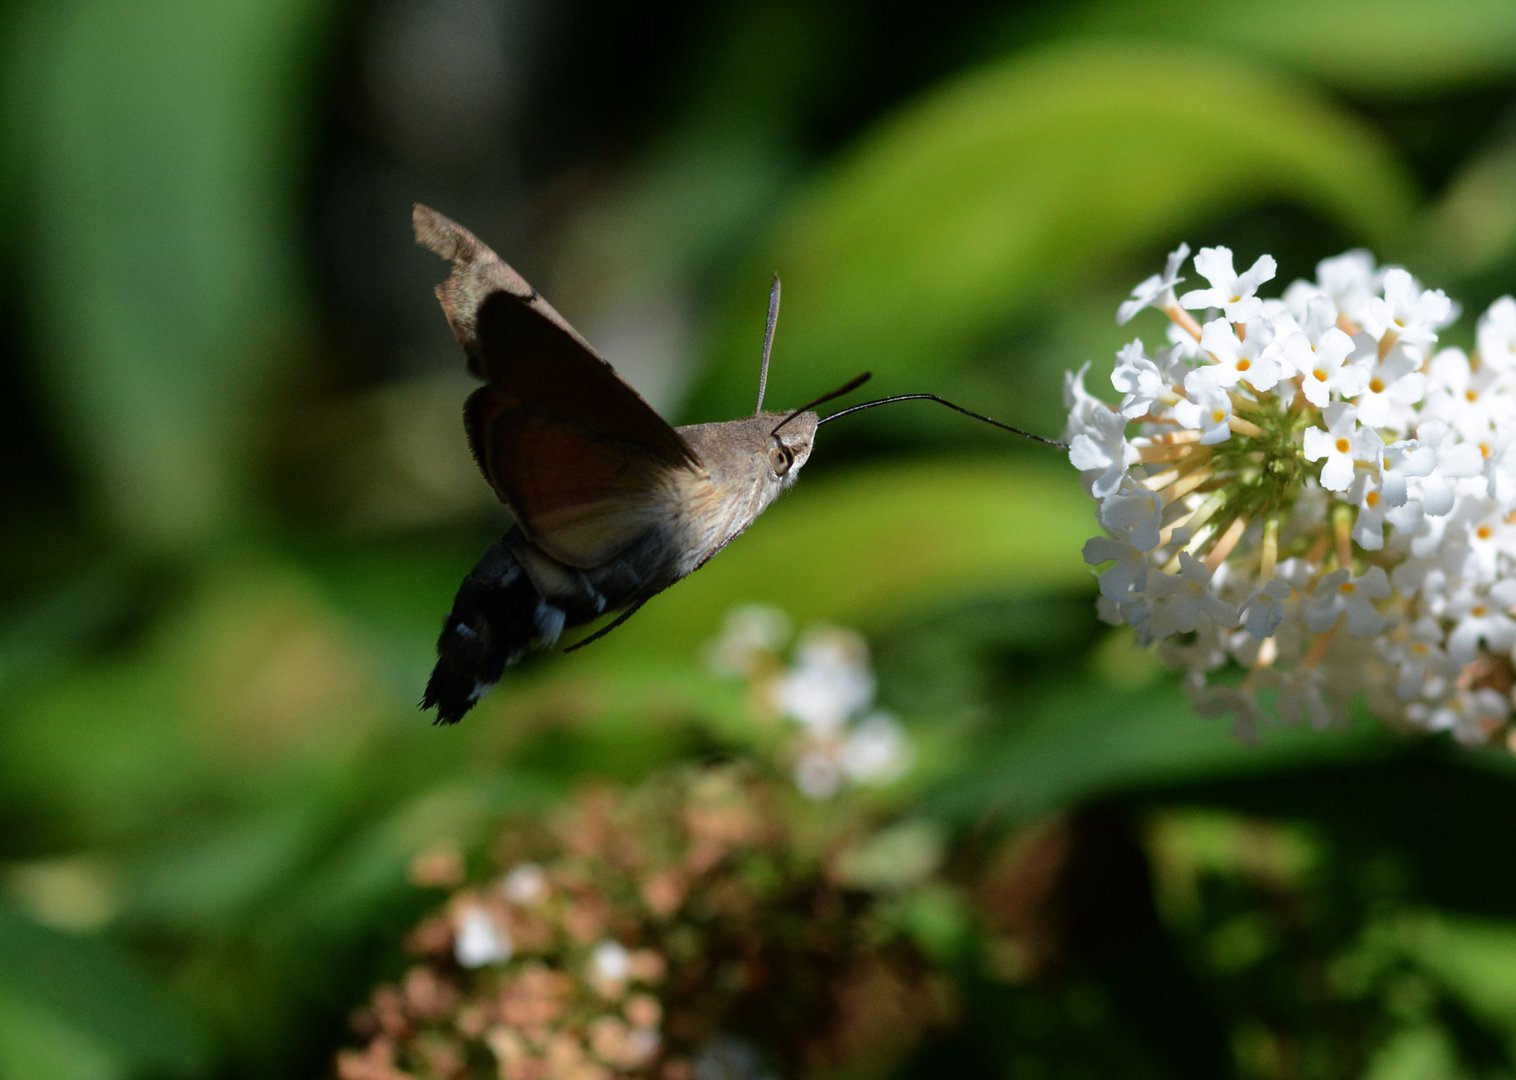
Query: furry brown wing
527, 352
580, 458
579, 495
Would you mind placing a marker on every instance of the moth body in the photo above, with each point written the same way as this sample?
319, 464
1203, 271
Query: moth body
612, 505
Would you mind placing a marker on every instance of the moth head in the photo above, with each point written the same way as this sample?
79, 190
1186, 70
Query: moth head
790, 439
790, 446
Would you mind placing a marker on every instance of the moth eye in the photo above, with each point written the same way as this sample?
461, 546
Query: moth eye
780, 459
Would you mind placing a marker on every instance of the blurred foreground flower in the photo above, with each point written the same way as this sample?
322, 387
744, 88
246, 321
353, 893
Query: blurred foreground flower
826, 688
1307, 489
707, 923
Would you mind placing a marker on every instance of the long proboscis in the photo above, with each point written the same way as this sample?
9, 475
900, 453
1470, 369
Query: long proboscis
941, 401
846, 388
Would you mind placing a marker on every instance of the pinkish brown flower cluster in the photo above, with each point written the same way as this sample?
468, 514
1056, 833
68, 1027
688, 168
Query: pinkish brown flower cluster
702, 918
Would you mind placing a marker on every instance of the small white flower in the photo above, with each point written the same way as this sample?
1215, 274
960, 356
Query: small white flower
752, 631
1230, 291
1491, 538
827, 689
1323, 365
1482, 616
1496, 337
1414, 314
1207, 408
1157, 290
1367, 492
1263, 613
1394, 385
1133, 514
1472, 399
1350, 280
1401, 462
876, 750
818, 774
1250, 359
1100, 451
1497, 451
1421, 663
526, 883
1081, 404
1130, 569
1342, 444
829, 681
1139, 380
1455, 460
1184, 603
1471, 716
1340, 594
610, 963
477, 941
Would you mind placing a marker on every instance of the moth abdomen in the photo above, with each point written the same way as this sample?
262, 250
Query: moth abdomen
497, 616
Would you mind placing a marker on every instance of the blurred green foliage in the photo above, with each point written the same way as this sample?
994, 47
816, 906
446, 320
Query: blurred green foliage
239, 500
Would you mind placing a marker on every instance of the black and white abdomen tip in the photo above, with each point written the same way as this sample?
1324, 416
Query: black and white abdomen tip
497, 616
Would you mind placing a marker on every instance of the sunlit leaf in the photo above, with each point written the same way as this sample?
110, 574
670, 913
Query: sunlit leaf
983, 200
869, 545
1369, 46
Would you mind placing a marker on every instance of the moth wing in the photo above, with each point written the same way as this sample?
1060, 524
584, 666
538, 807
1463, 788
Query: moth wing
518, 344
580, 496
580, 458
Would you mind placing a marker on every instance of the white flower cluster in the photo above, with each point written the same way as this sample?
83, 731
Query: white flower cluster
826, 688
1306, 489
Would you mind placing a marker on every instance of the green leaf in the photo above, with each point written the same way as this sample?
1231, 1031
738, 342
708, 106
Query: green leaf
161, 149
991, 197
1369, 46
85, 985
1472, 229
1087, 741
870, 545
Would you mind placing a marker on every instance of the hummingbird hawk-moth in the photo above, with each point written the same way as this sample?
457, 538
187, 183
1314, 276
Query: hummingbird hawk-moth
612, 505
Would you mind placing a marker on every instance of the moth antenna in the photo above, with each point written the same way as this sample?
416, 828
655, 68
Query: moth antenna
768, 342
942, 401
846, 388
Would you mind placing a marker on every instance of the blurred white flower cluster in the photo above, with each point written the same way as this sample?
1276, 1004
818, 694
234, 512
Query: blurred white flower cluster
1308, 490
826, 687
